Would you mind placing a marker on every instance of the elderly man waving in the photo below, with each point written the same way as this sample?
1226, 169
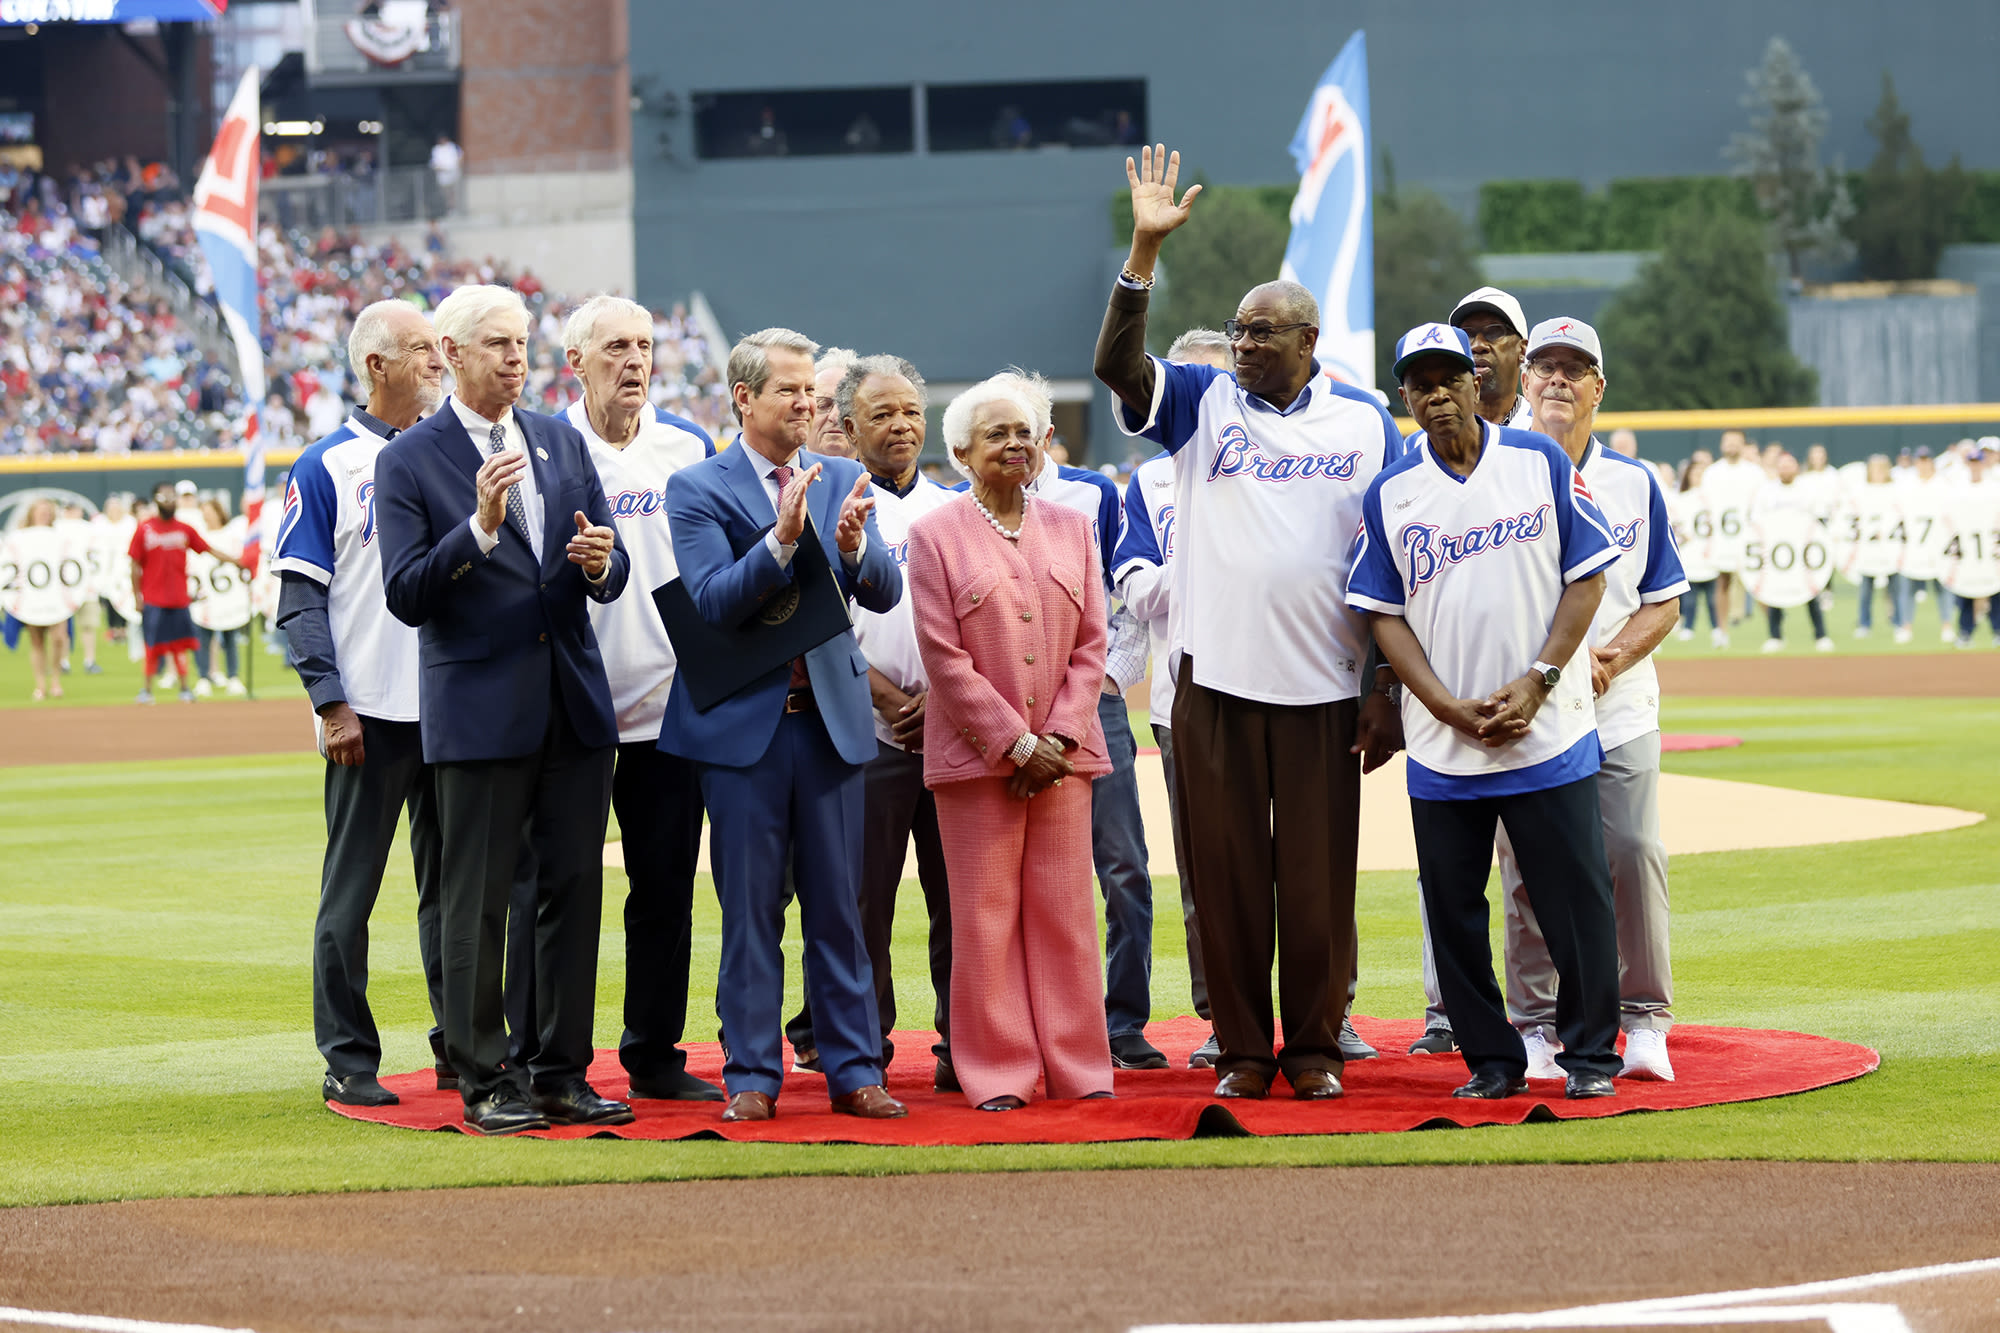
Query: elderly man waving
1271, 705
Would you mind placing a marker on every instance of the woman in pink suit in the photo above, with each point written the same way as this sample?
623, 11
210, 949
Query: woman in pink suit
1009, 607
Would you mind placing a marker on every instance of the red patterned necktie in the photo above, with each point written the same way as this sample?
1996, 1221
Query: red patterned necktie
800, 680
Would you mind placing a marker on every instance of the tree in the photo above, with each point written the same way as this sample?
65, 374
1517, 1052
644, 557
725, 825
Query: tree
1908, 212
1231, 242
1423, 263
1703, 327
1808, 205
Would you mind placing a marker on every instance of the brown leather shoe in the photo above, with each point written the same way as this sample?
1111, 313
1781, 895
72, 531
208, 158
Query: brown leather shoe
749, 1106
1316, 1085
871, 1103
1244, 1083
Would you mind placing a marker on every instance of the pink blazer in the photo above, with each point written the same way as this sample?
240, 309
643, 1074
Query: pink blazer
1012, 636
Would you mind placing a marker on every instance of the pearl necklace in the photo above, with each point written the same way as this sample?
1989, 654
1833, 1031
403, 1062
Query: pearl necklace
1013, 536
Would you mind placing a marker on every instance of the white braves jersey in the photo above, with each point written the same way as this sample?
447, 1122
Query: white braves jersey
328, 534
888, 639
1648, 570
1267, 499
1476, 566
1146, 570
638, 657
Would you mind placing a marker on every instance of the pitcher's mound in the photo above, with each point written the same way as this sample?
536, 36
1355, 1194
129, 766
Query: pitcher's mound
1395, 1092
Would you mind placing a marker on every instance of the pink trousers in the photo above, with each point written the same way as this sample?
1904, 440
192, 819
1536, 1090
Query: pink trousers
1027, 987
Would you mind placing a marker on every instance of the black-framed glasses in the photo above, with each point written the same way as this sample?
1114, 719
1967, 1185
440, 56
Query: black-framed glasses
1259, 332
1576, 372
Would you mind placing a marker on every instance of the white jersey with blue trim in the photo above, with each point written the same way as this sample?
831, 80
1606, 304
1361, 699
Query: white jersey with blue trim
1647, 571
888, 639
1145, 571
328, 534
1476, 565
638, 657
1267, 502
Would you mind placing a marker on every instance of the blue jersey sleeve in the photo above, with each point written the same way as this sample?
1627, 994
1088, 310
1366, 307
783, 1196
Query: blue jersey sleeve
1392, 442
305, 532
1373, 581
1138, 543
1585, 538
1664, 577
691, 427
1176, 406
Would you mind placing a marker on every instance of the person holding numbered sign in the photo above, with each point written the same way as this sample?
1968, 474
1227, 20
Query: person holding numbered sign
159, 551
1694, 531
1728, 487
1926, 498
1642, 588
1861, 528
1788, 558
222, 607
114, 528
42, 574
358, 664
81, 536
1972, 547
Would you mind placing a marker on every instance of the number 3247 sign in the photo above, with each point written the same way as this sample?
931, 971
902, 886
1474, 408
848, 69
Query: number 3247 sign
1787, 559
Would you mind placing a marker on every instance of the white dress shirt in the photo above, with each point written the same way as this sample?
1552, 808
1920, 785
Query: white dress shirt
481, 431
780, 551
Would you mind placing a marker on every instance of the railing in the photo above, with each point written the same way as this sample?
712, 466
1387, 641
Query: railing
432, 44
400, 194
135, 262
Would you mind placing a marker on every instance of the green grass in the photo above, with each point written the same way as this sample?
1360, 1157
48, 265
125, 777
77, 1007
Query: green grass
120, 679
155, 1024
1746, 638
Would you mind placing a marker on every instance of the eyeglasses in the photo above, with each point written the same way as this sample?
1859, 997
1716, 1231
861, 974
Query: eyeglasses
1259, 333
1575, 372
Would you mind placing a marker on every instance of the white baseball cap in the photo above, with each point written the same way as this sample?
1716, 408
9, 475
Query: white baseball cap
1566, 332
1492, 298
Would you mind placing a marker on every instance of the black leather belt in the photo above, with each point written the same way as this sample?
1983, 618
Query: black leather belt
801, 701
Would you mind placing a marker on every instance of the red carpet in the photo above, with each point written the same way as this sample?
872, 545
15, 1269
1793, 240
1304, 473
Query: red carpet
1395, 1092
1673, 744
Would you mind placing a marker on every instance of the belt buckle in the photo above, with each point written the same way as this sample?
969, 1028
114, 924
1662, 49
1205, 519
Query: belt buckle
798, 701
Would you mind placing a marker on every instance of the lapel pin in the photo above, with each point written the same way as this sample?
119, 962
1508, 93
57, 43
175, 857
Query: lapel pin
541, 453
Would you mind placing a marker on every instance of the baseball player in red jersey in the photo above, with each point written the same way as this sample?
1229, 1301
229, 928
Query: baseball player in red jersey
159, 552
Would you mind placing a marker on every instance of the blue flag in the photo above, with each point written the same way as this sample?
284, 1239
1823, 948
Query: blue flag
1332, 250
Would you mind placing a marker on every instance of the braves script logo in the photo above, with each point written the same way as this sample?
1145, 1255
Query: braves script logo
364, 497
1427, 550
638, 504
1163, 527
900, 552
1239, 456
1627, 534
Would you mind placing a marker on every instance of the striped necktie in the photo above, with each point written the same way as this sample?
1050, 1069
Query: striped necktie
517, 508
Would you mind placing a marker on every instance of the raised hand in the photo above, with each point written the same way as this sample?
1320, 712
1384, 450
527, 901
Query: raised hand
495, 476
792, 505
1153, 180
591, 547
854, 511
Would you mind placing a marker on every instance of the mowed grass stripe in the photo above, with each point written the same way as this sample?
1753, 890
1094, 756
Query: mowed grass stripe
156, 920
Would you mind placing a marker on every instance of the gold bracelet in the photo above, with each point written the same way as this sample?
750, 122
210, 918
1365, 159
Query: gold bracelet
1142, 283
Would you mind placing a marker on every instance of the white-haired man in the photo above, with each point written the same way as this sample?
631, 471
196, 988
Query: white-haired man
1271, 706
636, 447
829, 431
359, 666
475, 503
781, 759
1565, 381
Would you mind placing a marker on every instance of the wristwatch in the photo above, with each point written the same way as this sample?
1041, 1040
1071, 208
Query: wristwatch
1549, 674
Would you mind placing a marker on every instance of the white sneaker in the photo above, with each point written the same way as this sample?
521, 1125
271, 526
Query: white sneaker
1686, 635
1862, 631
166, 680
1718, 638
1646, 1056
1774, 645
234, 685
1947, 634
1903, 634
1542, 1055
202, 689
1823, 644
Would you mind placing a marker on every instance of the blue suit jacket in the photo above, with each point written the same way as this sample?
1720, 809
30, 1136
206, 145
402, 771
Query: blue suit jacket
496, 633
718, 511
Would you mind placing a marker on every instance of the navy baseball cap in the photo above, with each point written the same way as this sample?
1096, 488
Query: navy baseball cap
1432, 340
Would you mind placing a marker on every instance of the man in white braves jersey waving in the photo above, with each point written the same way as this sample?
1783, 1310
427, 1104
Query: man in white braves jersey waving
1480, 561
636, 447
1642, 588
1271, 705
359, 666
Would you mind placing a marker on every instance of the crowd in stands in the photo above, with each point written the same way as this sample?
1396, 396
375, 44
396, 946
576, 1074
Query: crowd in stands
93, 364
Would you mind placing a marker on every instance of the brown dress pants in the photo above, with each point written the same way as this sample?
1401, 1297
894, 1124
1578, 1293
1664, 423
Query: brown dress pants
1274, 813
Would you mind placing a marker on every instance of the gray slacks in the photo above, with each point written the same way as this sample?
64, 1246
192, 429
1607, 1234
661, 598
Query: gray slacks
1628, 796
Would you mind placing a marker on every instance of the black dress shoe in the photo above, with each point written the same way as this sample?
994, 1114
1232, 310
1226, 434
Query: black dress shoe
1131, 1050
447, 1077
1007, 1103
504, 1112
357, 1090
1490, 1087
945, 1078
675, 1086
577, 1103
808, 1060
1586, 1083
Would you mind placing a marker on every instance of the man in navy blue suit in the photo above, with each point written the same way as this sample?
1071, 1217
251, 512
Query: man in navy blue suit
781, 760
515, 712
